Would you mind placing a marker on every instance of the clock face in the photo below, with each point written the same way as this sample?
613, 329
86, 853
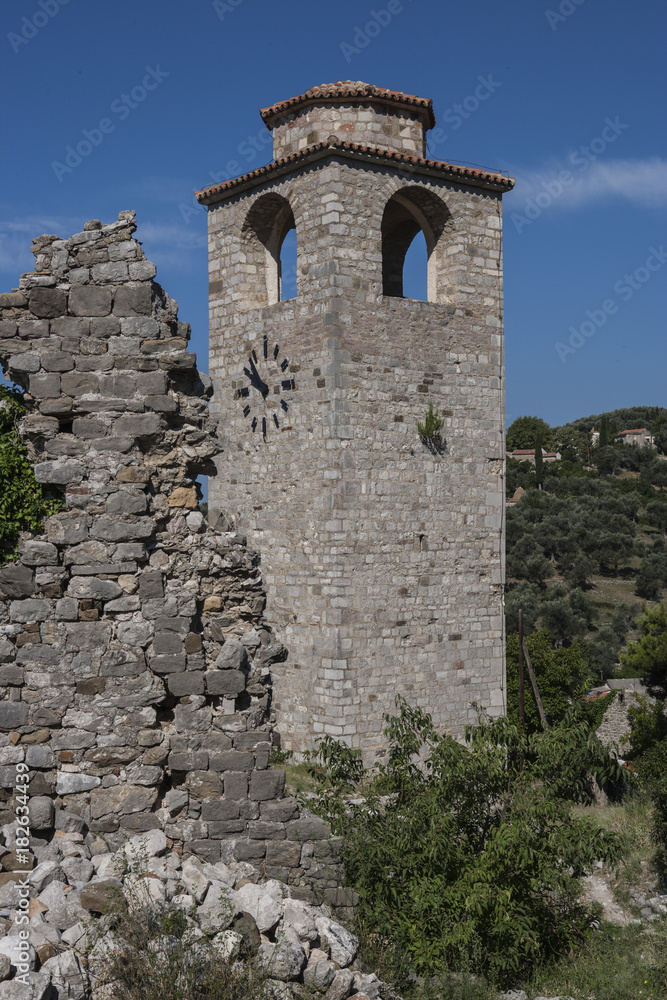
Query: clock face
263, 396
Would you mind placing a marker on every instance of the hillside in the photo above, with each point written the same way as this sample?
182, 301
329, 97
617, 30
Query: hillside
586, 540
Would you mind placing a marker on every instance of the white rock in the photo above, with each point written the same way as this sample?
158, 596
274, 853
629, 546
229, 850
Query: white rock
227, 944
286, 958
343, 945
45, 873
70, 784
106, 865
147, 845
40, 988
319, 975
73, 934
194, 880
217, 911
260, 902
67, 975
341, 986
299, 916
15, 947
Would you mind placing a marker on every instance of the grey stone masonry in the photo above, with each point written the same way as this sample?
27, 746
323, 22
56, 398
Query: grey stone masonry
135, 661
382, 554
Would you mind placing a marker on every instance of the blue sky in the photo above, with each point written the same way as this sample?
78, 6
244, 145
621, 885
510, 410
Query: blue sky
574, 108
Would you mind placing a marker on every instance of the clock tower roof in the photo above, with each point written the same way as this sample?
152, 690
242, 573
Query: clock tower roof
350, 92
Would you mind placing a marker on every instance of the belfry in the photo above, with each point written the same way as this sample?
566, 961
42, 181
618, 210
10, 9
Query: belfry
381, 550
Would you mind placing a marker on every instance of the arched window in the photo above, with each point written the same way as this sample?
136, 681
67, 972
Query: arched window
287, 276
265, 234
412, 224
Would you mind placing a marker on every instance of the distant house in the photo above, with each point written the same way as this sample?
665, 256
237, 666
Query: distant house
639, 436
528, 455
595, 437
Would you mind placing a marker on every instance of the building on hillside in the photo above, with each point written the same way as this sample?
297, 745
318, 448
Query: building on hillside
528, 455
595, 438
640, 437
382, 553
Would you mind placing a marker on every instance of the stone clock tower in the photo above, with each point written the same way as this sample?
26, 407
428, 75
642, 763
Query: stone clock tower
382, 556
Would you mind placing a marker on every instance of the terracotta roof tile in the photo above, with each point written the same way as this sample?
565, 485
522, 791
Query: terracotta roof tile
635, 430
334, 146
344, 90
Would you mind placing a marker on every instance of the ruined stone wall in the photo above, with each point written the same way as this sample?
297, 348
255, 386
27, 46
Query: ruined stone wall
135, 662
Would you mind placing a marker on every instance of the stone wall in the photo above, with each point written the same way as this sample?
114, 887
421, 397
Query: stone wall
135, 661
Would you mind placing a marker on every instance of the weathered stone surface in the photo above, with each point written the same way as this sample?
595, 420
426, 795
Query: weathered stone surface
42, 813
16, 580
47, 302
90, 300
12, 714
99, 894
343, 943
70, 783
121, 800
91, 588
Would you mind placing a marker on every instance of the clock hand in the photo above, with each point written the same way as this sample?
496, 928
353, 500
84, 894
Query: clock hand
256, 378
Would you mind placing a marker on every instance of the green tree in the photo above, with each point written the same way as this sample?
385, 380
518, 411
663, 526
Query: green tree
462, 858
606, 435
23, 502
648, 657
651, 576
539, 461
656, 514
562, 675
523, 431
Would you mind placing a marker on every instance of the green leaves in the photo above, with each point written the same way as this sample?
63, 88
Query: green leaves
461, 858
23, 505
429, 431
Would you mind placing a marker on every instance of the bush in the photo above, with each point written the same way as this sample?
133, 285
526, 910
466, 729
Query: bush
23, 504
469, 857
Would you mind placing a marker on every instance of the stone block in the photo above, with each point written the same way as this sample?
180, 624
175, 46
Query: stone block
60, 473
233, 656
267, 785
113, 530
126, 502
121, 800
44, 386
236, 785
133, 300
57, 361
34, 553
207, 850
167, 642
168, 664
286, 853
90, 300
13, 714
263, 830
67, 527
138, 425
189, 760
190, 682
79, 383
231, 760
115, 270
183, 497
30, 610
279, 810
11, 674
220, 809
249, 850
252, 740
204, 785
150, 585
225, 683
47, 302
16, 581
93, 589
89, 427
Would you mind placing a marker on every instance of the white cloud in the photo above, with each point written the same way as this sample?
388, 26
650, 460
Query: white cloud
641, 182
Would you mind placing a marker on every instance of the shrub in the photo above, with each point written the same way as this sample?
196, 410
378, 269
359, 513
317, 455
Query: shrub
472, 856
23, 504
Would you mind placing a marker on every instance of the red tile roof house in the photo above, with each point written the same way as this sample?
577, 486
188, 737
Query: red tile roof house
528, 455
639, 436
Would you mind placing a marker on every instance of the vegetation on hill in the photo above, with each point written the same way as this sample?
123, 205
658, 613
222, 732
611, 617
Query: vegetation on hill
587, 540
